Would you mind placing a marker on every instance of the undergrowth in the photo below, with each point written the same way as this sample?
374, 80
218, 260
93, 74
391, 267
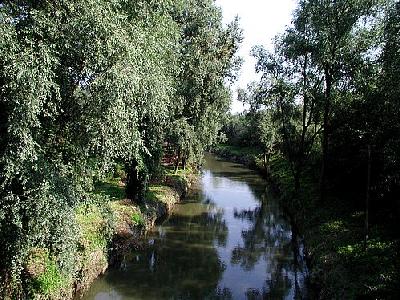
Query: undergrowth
104, 214
342, 265
46, 276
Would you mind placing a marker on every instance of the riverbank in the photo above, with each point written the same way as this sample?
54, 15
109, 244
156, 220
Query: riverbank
340, 266
108, 228
215, 245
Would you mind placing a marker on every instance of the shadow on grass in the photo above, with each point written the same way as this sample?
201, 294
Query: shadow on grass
111, 189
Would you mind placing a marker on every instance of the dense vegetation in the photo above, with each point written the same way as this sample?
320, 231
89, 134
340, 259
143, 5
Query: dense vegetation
90, 89
88, 85
325, 120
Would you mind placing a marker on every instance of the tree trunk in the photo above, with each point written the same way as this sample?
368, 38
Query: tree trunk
136, 183
184, 162
367, 197
301, 151
132, 181
325, 133
265, 160
297, 182
178, 158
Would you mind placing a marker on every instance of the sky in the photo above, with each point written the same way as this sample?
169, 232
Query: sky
260, 20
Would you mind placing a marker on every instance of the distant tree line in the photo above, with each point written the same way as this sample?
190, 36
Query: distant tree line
88, 84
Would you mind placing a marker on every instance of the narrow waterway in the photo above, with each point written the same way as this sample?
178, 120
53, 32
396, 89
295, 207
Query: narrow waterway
230, 240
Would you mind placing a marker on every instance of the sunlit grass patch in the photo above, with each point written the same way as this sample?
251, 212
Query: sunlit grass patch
94, 228
46, 277
170, 171
333, 227
137, 219
126, 214
161, 193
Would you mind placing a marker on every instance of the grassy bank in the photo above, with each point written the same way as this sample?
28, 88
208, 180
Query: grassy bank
109, 227
341, 265
245, 155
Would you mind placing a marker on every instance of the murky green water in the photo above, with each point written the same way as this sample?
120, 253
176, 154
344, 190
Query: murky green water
228, 241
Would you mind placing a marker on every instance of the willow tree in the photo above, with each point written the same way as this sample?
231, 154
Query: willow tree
88, 84
207, 63
154, 64
83, 84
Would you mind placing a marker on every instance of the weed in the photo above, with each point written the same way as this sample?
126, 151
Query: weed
46, 275
137, 219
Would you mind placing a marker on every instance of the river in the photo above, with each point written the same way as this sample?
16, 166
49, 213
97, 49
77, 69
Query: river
229, 240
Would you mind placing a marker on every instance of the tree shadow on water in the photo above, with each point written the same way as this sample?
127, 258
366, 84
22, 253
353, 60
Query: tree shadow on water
268, 240
181, 264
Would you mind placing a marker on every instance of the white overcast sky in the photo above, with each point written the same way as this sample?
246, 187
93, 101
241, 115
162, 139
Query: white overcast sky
260, 20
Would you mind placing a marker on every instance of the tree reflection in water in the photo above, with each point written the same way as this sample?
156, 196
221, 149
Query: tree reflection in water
269, 237
229, 241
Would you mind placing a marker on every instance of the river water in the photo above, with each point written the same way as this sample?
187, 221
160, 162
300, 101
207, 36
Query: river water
230, 240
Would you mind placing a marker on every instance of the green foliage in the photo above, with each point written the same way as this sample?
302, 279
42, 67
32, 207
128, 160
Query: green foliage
95, 221
47, 277
240, 129
207, 60
111, 189
119, 172
137, 219
89, 85
238, 151
333, 227
325, 114
50, 280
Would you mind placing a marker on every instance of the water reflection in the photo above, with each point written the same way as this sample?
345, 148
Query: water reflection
229, 241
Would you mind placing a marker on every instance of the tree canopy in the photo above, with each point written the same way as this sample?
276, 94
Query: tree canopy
326, 109
85, 85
